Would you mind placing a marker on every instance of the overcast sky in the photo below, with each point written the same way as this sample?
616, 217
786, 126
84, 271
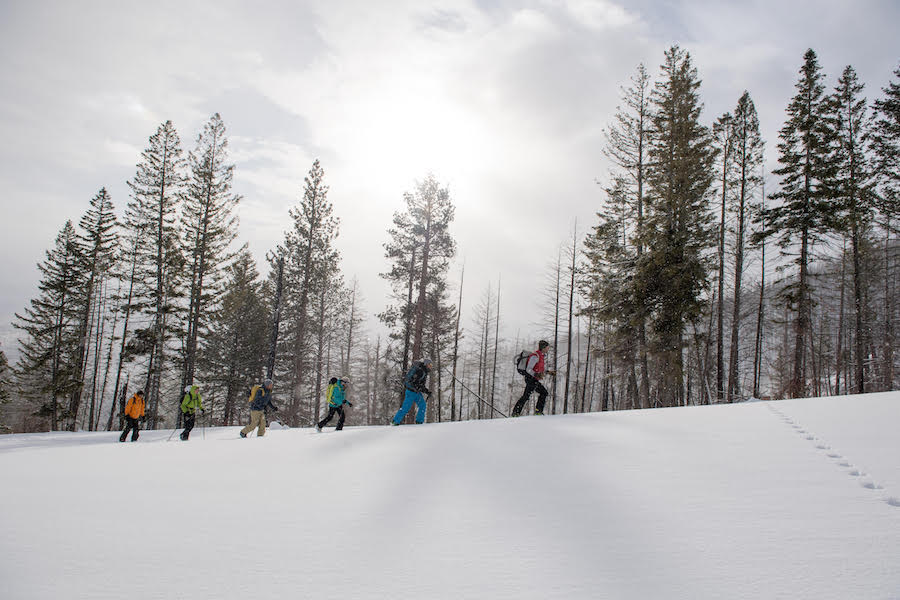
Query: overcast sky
505, 102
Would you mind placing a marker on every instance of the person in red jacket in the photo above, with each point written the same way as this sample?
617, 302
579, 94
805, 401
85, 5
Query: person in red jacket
533, 372
134, 412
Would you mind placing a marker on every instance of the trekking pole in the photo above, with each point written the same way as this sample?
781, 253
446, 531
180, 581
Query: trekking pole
488, 404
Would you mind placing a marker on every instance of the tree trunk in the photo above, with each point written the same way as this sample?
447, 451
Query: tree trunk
276, 319
453, 415
496, 344
571, 310
839, 353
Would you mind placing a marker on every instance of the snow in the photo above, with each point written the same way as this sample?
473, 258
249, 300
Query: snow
789, 499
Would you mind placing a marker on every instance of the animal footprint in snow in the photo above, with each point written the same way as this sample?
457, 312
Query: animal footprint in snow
855, 473
843, 464
821, 447
832, 455
893, 501
810, 437
871, 485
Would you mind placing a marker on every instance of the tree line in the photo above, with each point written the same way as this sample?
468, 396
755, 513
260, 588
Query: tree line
666, 266
693, 286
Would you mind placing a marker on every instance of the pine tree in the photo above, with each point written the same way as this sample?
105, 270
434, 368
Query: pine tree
852, 186
672, 272
98, 242
308, 253
420, 250
234, 350
155, 194
627, 144
209, 228
611, 259
747, 161
48, 371
805, 210
5, 384
724, 134
886, 144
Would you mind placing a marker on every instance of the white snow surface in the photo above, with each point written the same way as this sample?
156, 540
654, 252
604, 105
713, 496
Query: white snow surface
788, 499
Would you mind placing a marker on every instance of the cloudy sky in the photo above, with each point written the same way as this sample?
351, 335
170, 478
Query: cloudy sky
505, 102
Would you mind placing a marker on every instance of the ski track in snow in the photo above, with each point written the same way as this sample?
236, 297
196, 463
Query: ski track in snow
831, 453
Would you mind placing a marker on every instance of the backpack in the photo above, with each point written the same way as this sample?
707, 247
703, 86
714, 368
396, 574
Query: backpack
253, 391
521, 361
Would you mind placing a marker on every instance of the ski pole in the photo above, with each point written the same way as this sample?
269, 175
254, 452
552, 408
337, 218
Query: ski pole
489, 404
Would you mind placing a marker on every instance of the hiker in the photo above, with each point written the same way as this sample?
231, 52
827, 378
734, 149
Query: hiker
415, 388
337, 397
190, 403
533, 370
260, 400
134, 414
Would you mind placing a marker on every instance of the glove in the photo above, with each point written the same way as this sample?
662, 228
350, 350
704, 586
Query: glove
426, 391
203, 410
348, 404
274, 408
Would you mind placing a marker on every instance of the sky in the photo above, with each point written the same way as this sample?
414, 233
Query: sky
504, 102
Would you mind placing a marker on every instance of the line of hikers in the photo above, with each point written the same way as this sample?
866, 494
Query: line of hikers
531, 366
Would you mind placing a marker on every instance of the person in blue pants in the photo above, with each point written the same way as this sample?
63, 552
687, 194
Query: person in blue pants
415, 391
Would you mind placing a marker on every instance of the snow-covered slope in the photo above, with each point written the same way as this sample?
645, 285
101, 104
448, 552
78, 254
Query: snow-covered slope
792, 499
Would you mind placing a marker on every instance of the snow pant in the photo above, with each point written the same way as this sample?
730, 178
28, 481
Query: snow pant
410, 398
331, 411
257, 420
132, 425
531, 384
189, 419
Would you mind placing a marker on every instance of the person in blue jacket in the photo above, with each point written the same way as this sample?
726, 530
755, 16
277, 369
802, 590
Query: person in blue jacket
337, 398
415, 391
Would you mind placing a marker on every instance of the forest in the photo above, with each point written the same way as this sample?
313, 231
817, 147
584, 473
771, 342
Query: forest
694, 285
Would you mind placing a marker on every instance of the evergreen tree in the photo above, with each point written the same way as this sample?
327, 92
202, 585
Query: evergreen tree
209, 228
48, 371
723, 131
234, 350
805, 209
747, 160
852, 186
5, 383
308, 253
672, 272
627, 144
155, 196
98, 242
886, 143
420, 250
611, 260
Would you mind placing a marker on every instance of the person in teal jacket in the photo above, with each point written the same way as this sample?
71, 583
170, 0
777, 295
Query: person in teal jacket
337, 398
190, 404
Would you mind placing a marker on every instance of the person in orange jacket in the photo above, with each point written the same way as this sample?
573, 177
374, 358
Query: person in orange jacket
134, 413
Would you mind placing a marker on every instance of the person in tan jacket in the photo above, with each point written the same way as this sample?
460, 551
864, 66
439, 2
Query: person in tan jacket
134, 412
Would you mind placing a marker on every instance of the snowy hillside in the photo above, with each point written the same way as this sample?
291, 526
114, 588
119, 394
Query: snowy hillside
791, 499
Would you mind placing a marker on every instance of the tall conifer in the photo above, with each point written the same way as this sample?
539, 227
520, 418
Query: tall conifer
804, 211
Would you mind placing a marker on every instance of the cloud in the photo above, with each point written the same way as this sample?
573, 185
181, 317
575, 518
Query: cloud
504, 101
